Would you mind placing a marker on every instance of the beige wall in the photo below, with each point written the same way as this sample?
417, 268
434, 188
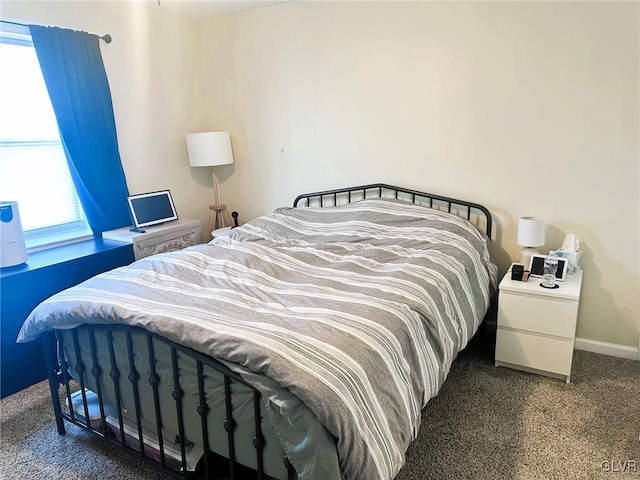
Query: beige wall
153, 66
528, 108
474, 100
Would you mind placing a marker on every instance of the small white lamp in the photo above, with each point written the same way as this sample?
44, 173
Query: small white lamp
211, 149
530, 235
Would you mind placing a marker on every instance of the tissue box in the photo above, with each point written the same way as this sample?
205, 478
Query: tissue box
574, 260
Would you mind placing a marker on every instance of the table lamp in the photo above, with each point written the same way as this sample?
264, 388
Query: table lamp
212, 149
530, 235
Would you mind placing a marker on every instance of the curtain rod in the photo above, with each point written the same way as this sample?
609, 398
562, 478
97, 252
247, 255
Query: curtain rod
106, 37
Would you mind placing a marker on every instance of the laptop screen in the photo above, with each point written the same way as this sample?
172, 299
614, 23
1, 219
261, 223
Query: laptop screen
152, 208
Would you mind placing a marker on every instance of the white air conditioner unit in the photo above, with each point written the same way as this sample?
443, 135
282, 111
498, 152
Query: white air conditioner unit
13, 250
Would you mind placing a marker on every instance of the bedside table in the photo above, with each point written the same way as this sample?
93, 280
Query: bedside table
166, 237
220, 232
536, 326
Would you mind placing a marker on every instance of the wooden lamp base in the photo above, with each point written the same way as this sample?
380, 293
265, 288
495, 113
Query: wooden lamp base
219, 217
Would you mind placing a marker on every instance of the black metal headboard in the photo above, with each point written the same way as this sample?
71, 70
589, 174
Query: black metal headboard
475, 213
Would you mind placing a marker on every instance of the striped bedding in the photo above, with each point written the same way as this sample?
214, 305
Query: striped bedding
358, 310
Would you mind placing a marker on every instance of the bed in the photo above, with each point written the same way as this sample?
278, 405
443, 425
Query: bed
303, 345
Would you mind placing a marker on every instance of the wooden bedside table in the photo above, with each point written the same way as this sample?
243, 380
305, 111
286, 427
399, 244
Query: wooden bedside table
536, 326
166, 237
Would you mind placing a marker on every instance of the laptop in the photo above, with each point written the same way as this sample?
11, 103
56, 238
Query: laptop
152, 208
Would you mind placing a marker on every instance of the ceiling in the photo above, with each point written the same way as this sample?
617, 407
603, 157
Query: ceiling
208, 8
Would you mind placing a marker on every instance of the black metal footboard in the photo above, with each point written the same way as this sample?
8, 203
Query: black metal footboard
182, 411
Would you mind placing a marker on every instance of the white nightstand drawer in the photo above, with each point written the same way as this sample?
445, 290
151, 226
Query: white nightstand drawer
554, 317
534, 351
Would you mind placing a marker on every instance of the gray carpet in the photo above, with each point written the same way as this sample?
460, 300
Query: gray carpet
486, 423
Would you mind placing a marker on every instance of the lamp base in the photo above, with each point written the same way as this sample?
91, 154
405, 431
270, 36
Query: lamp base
219, 217
525, 256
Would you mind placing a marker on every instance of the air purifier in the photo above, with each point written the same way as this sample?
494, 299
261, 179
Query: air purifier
13, 250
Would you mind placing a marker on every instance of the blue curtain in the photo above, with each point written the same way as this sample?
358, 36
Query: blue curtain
77, 83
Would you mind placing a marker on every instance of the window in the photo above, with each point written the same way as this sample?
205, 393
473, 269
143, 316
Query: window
33, 166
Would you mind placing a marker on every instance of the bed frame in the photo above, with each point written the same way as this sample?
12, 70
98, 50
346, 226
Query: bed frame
87, 367
475, 213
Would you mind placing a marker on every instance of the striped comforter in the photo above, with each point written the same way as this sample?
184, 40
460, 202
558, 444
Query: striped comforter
358, 310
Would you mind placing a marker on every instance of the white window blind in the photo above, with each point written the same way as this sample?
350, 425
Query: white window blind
34, 170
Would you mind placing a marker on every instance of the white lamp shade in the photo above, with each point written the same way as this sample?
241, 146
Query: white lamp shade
530, 232
209, 149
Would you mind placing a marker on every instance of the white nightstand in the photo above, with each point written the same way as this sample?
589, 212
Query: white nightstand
166, 237
220, 232
536, 326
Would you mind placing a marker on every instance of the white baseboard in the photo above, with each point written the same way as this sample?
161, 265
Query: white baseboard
612, 349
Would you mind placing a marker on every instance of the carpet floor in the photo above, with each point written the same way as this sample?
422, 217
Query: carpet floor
486, 423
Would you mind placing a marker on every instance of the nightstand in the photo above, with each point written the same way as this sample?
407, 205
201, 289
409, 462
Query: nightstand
166, 237
536, 326
220, 232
